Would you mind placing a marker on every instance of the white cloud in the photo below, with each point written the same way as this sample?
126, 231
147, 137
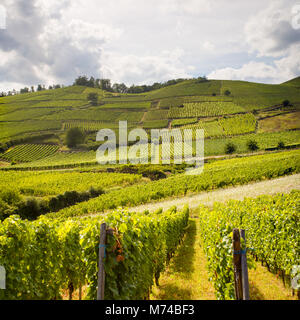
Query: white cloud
283, 69
270, 32
207, 45
137, 41
190, 7
133, 69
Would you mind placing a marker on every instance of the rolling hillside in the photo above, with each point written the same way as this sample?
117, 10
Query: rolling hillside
227, 111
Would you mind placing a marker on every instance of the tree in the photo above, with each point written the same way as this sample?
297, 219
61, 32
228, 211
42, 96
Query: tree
286, 103
39, 88
227, 93
281, 145
252, 145
74, 137
93, 98
24, 90
105, 84
32, 88
230, 148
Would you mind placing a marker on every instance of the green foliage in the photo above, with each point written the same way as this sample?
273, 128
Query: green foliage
281, 145
45, 256
93, 98
204, 109
252, 145
230, 148
272, 227
49, 183
181, 122
29, 152
74, 137
216, 175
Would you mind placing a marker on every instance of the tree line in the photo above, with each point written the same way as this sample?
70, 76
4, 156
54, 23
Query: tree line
104, 84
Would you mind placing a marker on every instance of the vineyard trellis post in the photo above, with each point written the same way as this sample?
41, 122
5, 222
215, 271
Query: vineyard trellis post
245, 280
237, 265
101, 272
241, 281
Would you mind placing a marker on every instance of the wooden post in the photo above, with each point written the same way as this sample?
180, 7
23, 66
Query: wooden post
80, 291
245, 280
237, 266
101, 273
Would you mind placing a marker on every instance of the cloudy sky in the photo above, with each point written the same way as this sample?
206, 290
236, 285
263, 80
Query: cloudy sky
142, 41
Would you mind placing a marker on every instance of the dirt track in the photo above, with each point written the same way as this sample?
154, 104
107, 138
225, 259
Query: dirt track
283, 184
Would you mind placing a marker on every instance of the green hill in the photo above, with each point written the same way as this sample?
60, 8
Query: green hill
293, 82
224, 109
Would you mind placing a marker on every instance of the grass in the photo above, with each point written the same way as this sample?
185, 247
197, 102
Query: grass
265, 285
186, 277
252, 95
280, 122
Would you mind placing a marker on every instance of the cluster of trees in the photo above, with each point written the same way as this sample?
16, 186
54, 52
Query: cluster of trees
105, 84
39, 87
252, 145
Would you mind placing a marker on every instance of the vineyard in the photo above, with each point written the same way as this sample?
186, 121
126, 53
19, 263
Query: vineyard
63, 254
29, 152
53, 183
272, 230
55, 195
216, 175
204, 109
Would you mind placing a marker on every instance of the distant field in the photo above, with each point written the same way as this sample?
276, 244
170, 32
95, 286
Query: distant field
11, 129
126, 105
28, 152
257, 96
204, 109
279, 123
264, 140
61, 159
229, 126
156, 115
187, 88
53, 183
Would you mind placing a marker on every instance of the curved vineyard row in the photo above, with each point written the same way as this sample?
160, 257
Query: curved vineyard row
216, 175
29, 152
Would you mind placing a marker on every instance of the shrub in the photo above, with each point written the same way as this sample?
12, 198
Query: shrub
93, 98
230, 148
74, 137
252, 145
286, 103
281, 145
227, 93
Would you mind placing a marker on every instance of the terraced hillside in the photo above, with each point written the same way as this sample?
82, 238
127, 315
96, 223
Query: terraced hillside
228, 111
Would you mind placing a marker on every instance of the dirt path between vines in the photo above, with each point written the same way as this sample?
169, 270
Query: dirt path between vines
284, 184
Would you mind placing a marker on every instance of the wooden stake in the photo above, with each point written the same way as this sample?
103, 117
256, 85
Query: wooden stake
101, 273
237, 266
245, 280
80, 292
